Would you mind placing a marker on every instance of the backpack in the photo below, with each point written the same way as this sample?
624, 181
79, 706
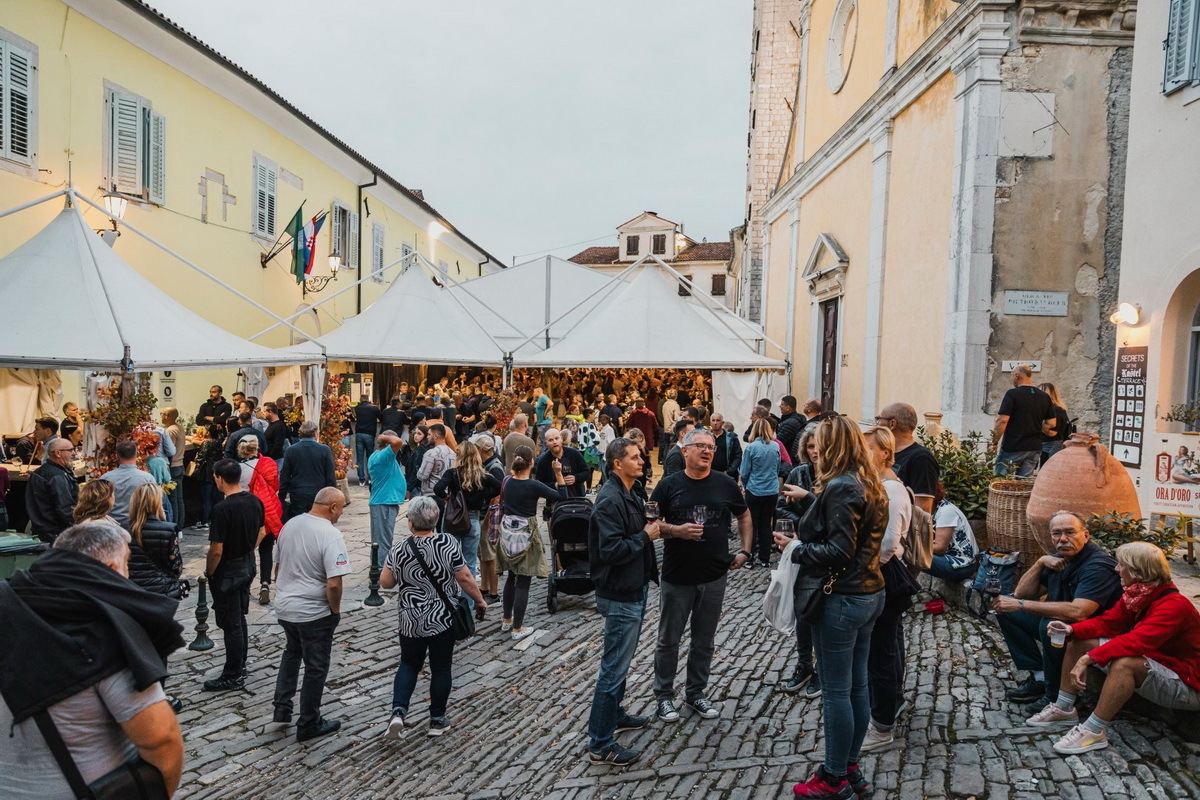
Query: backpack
1001, 564
918, 539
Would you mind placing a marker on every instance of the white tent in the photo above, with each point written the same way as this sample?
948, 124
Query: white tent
645, 323
108, 312
416, 321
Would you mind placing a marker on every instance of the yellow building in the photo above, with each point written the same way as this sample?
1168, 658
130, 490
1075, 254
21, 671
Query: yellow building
943, 205
114, 97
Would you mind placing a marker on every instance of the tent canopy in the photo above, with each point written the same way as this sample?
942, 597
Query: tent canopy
645, 323
108, 307
416, 321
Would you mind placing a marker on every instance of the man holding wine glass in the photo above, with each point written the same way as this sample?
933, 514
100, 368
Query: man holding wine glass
697, 507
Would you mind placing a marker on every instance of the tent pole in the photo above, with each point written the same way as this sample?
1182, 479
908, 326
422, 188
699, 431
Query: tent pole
33, 203
547, 329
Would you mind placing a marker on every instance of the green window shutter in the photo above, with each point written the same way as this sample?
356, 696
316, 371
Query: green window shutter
156, 170
126, 159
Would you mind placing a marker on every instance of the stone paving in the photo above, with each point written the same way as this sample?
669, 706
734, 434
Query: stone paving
519, 713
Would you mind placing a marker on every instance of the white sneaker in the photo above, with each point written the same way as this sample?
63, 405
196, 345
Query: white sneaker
505, 625
1052, 715
876, 739
396, 726
1080, 740
521, 633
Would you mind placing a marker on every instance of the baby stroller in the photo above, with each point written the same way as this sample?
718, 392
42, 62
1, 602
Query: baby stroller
570, 570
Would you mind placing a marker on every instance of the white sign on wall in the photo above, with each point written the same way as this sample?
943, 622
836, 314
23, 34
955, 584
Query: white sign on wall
166, 387
1176, 484
1009, 366
1022, 303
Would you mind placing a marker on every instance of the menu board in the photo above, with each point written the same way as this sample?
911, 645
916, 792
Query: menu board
1129, 406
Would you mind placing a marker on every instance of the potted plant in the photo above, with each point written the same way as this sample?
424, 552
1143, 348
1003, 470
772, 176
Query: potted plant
1113, 529
1188, 413
966, 473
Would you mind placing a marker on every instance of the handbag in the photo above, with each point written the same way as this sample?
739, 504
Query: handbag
495, 514
456, 519
136, 779
810, 601
462, 624
515, 535
898, 579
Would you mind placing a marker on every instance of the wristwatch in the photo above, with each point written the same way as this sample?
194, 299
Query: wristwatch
746, 553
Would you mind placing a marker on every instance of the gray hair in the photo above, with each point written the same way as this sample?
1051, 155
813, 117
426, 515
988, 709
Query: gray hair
1079, 518
616, 449
309, 428
519, 421
327, 495
1024, 369
691, 435
102, 541
247, 445
423, 513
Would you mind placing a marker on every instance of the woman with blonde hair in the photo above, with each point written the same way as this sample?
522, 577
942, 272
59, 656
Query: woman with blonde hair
840, 591
1148, 643
95, 503
760, 477
155, 562
468, 479
1062, 423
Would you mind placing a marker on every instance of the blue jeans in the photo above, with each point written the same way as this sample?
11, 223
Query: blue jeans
622, 625
941, 568
469, 542
842, 640
1027, 640
176, 497
1024, 462
364, 445
383, 526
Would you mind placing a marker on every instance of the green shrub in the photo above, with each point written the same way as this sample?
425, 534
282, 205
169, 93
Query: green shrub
965, 467
1114, 529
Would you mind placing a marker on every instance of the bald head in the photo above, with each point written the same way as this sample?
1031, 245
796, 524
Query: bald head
902, 416
328, 504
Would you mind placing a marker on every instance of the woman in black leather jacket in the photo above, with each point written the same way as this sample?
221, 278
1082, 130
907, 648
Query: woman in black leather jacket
840, 538
154, 559
796, 498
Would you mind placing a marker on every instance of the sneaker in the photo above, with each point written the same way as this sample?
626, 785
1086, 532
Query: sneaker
763, 564
505, 625
628, 722
876, 738
818, 786
175, 703
438, 726
264, 594
324, 727
813, 689
521, 633
667, 712
901, 710
749, 564
280, 719
225, 684
614, 754
396, 725
857, 781
1052, 715
1036, 706
1080, 740
798, 681
1026, 692
704, 708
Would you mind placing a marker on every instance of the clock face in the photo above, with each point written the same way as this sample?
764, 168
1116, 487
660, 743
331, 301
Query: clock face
839, 51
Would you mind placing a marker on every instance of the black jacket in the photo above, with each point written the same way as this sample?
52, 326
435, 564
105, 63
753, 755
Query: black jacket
674, 461
728, 462
235, 438
307, 469
156, 564
621, 554
276, 435
477, 499
785, 509
218, 411
366, 415
50, 500
572, 464
791, 425
840, 533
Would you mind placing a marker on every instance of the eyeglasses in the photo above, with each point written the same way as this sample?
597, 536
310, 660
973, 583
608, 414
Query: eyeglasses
707, 447
882, 420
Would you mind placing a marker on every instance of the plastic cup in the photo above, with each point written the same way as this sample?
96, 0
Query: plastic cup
1058, 638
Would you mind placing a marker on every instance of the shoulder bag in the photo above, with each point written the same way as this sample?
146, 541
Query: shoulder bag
456, 518
462, 624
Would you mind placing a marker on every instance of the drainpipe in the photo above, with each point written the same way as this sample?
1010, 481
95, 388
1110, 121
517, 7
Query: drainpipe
359, 207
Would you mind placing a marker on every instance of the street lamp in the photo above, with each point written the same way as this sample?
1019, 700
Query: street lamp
1126, 314
115, 205
319, 282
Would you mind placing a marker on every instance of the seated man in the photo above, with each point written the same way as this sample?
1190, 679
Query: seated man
1148, 643
1079, 581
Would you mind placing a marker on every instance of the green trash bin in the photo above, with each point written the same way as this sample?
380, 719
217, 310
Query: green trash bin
18, 551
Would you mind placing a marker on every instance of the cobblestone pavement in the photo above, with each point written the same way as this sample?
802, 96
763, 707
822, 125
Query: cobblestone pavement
519, 713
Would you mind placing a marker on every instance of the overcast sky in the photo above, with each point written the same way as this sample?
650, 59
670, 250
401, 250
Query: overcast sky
530, 124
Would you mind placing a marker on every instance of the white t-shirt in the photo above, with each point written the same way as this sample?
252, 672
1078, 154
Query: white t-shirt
899, 516
308, 551
963, 547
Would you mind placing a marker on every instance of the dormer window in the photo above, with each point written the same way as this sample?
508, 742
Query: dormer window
631, 245
659, 244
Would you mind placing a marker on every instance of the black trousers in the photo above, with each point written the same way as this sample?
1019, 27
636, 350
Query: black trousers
885, 664
230, 601
311, 643
762, 517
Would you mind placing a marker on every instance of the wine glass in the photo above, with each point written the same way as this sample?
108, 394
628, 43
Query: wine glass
651, 511
786, 527
699, 514
993, 588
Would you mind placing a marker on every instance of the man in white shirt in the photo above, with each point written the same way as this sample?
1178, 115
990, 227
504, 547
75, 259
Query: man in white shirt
437, 460
310, 560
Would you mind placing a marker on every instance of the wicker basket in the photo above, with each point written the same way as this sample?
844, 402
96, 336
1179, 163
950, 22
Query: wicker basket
1008, 526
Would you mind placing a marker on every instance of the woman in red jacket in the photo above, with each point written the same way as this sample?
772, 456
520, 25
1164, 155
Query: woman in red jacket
260, 477
1148, 643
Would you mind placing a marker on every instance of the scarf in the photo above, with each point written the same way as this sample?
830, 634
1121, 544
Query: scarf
70, 621
1138, 595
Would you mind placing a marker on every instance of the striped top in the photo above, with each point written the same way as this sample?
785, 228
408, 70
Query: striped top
422, 612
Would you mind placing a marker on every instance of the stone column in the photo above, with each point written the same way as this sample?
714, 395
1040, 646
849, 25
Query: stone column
881, 142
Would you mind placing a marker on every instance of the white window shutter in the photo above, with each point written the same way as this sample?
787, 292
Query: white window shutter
335, 233
377, 252
157, 168
16, 103
126, 159
264, 198
1181, 44
352, 239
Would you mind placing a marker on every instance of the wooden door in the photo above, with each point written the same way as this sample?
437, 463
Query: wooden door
829, 354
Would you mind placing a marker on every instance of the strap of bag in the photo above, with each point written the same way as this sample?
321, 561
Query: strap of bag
58, 748
428, 574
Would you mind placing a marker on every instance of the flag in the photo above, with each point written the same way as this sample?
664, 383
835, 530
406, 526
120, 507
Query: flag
295, 229
310, 239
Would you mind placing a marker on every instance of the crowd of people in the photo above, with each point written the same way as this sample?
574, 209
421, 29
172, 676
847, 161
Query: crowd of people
807, 487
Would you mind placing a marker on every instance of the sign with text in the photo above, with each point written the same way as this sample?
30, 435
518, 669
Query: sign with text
166, 387
1176, 480
1129, 406
1035, 304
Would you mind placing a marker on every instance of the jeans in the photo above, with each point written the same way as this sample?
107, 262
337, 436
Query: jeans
1025, 462
762, 517
1050, 448
312, 643
1027, 640
209, 494
364, 446
176, 498
230, 587
383, 527
622, 625
469, 542
842, 639
677, 602
412, 657
940, 568
885, 665
804, 648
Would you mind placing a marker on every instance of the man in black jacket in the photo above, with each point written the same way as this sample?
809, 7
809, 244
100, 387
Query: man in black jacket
728, 455
246, 420
574, 468
276, 433
52, 493
366, 418
215, 410
621, 552
791, 424
307, 470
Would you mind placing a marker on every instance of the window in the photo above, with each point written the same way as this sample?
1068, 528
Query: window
444, 271
631, 245
1182, 30
137, 139
266, 176
406, 250
658, 244
18, 96
684, 291
343, 238
377, 252
718, 285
